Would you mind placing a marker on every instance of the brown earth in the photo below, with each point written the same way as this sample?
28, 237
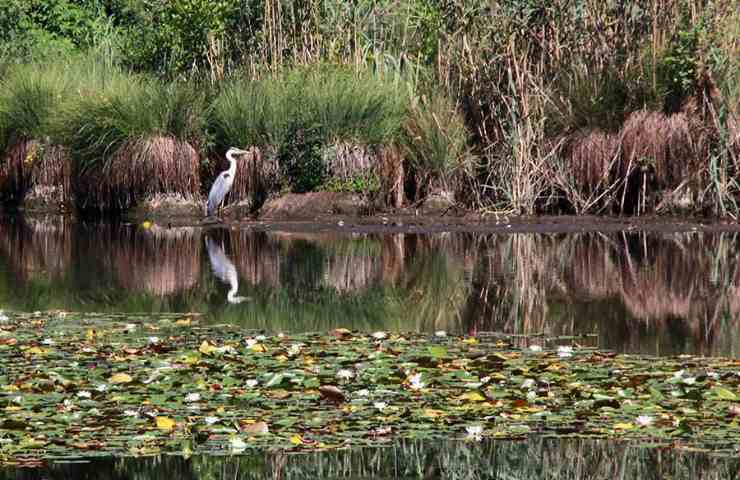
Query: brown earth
331, 212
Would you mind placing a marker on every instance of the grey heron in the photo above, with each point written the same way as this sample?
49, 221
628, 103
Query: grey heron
225, 270
223, 182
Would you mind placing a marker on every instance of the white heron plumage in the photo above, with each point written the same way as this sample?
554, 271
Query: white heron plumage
223, 183
225, 270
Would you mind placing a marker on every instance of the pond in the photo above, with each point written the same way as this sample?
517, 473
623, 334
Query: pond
538, 458
639, 292
662, 294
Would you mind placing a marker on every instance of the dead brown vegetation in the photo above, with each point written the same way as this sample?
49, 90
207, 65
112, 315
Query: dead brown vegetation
258, 175
36, 175
140, 169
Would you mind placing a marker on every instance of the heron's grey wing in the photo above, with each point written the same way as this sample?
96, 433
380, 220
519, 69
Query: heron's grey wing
219, 189
222, 267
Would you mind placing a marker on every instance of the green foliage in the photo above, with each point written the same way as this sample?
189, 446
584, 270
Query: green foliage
114, 107
30, 99
43, 29
300, 158
435, 139
357, 184
251, 113
677, 68
584, 98
302, 110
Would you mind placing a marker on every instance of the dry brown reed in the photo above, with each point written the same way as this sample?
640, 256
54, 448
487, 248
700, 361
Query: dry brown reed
259, 175
51, 179
138, 170
158, 261
346, 160
588, 156
36, 175
660, 152
15, 171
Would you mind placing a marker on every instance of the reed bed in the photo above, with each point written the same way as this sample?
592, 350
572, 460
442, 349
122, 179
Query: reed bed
581, 107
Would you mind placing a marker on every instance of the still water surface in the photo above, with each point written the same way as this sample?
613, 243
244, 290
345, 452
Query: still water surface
553, 459
661, 294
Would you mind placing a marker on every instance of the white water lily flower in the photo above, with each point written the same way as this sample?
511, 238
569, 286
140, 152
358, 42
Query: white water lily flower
251, 383
153, 340
528, 383
237, 443
362, 393
713, 375
3, 318
130, 326
260, 338
281, 335
131, 413
84, 394
251, 342
565, 351
415, 382
474, 432
535, 348
689, 380
47, 341
295, 349
192, 397
379, 335
644, 420
678, 374
345, 374
380, 405
531, 395
101, 387
211, 420
440, 333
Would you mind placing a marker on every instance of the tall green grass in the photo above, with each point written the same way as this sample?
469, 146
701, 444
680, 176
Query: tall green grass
31, 97
114, 107
343, 104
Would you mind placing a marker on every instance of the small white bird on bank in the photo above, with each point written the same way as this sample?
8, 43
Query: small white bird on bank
223, 182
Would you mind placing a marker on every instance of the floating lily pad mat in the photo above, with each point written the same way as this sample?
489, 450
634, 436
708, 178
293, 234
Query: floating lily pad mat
131, 387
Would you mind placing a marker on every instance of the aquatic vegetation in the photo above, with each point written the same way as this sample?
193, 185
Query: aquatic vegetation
77, 385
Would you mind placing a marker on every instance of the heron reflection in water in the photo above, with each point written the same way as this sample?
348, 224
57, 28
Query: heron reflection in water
225, 270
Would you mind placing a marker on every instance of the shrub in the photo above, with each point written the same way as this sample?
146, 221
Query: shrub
436, 140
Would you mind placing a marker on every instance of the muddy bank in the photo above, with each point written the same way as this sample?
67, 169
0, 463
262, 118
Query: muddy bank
334, 212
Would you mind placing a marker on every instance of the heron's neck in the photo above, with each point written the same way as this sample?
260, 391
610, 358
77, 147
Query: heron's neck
232, 163
232, 292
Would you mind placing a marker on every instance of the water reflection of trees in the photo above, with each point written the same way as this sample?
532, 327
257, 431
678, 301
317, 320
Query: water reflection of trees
642, 292
38, 248
566, 283
159, 261
535, 458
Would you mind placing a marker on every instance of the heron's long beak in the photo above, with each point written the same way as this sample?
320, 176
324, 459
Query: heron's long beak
239, 151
